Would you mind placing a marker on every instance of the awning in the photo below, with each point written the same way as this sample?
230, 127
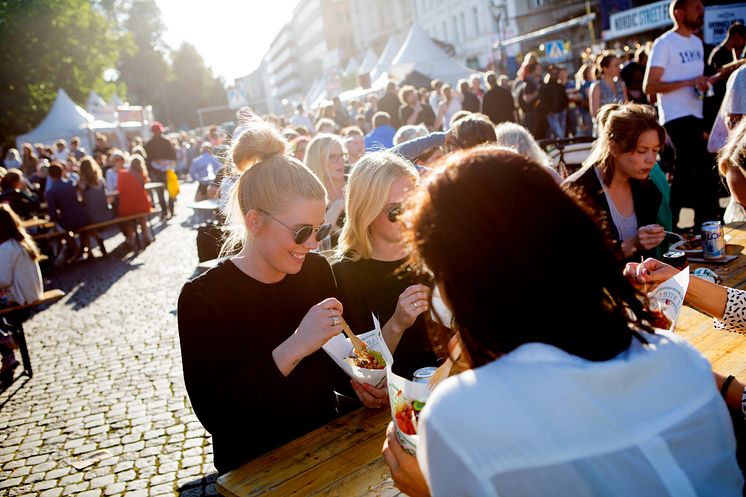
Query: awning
548, 30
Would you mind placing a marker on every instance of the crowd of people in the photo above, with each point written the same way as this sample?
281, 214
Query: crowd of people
367, 207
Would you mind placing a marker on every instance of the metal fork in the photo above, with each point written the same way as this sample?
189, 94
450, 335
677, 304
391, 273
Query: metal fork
444, 370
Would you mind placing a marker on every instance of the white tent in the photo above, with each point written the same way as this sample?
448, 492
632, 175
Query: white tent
115, 101
369, 61
64, 120
420, 53
94, 101
384, 61
352, 66
99, 109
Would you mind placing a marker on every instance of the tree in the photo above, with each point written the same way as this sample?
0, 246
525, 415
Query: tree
46, 45
145, 70
192, 86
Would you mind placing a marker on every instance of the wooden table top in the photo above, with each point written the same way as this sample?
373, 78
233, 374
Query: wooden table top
343, 458
726, 351
37, 222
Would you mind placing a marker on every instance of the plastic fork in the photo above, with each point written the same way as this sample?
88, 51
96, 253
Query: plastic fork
444, 370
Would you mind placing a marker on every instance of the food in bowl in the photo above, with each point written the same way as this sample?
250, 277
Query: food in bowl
370, 359
408, 415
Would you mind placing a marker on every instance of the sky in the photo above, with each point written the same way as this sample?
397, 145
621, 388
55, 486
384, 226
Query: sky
231, 35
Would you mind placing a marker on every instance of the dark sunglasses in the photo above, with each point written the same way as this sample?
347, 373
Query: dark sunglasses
394, 212
303, 233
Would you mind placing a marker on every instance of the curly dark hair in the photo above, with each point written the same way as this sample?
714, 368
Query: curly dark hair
519, 261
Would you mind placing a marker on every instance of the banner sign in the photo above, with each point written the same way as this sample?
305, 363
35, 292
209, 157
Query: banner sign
718, 19
638, 20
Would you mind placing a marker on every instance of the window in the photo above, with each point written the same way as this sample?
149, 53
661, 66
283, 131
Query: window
475, 15
445, 32
454, 30
462, 19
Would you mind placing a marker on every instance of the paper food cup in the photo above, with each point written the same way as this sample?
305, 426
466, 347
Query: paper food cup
406, 399
339, 349
668, 297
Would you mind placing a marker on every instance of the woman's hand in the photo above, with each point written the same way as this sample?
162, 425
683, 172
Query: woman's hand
404, 468
412, 302
649, 272
371, 396
647, 238
650, 236
321, 323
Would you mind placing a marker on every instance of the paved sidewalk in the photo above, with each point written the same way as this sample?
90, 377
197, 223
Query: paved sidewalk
107, 377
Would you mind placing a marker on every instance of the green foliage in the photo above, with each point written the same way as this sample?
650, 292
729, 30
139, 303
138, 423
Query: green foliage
69, 44
192, 84
46, 45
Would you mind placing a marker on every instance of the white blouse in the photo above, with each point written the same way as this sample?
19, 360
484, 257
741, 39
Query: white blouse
540, 421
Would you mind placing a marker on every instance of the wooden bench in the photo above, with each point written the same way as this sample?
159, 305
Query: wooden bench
17, 325
61, 233
121, 219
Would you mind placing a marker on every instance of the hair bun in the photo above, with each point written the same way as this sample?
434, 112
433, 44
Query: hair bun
259, 140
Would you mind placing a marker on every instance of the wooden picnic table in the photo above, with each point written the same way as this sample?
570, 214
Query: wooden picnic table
210, 204
37, 222
343, 458
726, 351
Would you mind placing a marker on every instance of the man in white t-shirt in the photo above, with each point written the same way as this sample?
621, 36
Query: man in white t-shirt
675, 73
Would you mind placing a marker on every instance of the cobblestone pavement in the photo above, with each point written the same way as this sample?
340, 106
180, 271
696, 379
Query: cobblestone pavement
107, 377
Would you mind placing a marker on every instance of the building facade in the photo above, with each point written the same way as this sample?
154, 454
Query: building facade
469, 25
375, 20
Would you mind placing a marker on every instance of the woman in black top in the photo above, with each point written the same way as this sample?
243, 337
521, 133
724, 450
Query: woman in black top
371, 273
251, 328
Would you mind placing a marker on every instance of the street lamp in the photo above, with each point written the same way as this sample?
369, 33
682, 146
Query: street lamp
497, 14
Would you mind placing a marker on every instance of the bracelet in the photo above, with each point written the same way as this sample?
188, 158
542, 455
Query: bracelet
726, 385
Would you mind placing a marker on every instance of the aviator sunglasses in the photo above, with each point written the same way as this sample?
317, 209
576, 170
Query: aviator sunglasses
394, 212
303, 233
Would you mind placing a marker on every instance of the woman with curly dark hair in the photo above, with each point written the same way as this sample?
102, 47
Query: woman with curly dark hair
571, 391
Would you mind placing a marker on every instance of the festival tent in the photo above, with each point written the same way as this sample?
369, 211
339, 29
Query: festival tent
369, 61
384, 61
420, 53
367, 65
99, 109
63, 121
352, 66
115, 101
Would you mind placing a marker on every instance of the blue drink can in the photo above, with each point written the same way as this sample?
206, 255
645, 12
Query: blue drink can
423, 375
713, 240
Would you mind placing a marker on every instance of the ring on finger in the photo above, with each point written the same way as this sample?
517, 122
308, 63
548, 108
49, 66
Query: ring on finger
335, 321
415, 305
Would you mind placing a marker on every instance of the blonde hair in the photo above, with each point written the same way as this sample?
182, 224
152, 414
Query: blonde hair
317, 156
268, 179
367, 193
733, 152
518, 138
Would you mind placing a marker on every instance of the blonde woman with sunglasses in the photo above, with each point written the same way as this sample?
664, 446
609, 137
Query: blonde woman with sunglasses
371, 272
251, 328
326, 156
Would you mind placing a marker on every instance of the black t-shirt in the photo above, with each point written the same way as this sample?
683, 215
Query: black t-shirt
497, 104
229, 324
425, 116
370, 286
719, 57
